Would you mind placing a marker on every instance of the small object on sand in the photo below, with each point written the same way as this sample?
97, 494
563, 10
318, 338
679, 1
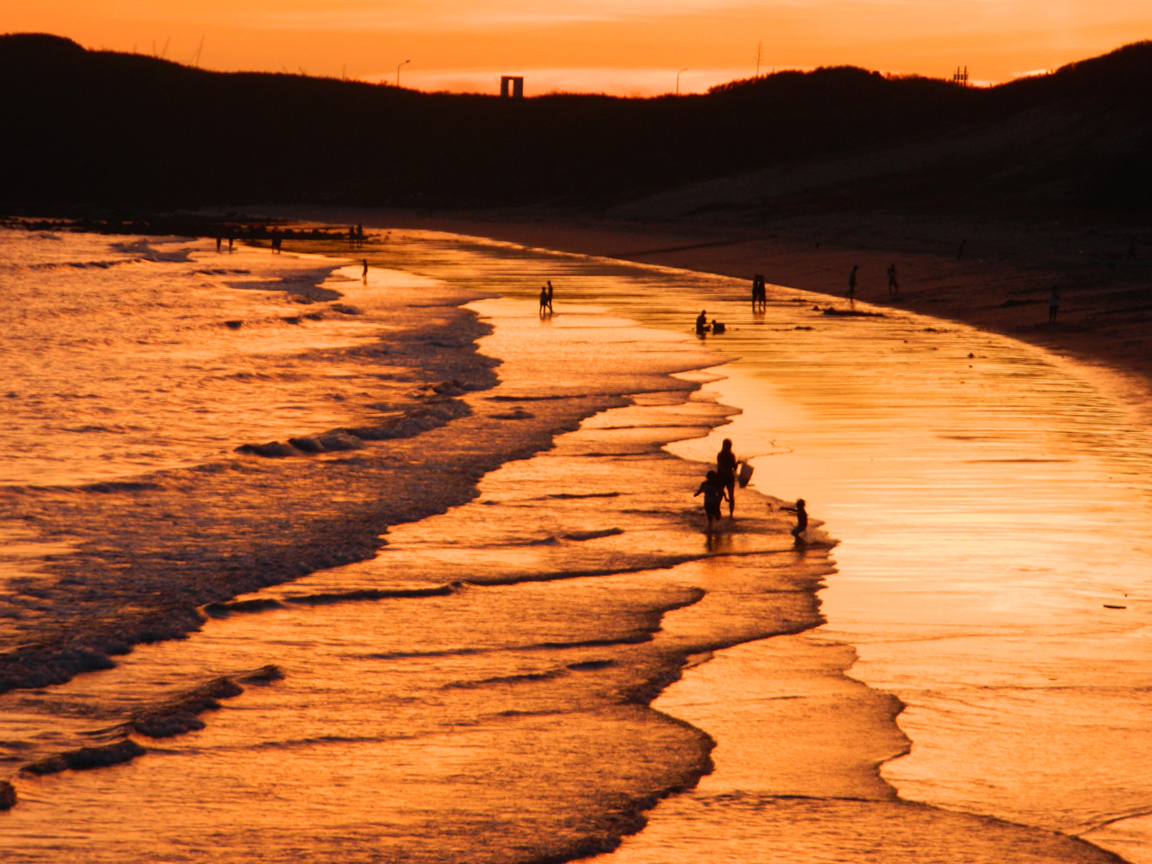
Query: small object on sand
718, 326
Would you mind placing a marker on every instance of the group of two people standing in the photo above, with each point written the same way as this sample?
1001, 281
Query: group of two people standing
546, 299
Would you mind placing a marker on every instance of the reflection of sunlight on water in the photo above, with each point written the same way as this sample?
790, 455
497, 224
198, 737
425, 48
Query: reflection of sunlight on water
983, 530
989, 506
150, 365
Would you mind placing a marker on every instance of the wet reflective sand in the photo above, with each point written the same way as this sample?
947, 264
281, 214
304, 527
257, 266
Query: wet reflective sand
988, 508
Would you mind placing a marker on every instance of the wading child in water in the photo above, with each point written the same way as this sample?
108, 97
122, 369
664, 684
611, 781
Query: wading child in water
801, 520
713, 491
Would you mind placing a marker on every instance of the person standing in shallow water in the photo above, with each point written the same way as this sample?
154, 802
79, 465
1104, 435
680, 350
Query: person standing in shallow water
852, 286
801, 520
893, 285
701, 322
364, 275
1053, 304
551, 291
713, 491
726, 472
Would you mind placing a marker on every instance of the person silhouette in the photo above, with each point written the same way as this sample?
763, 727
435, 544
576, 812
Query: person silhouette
801, 520
1053, 303
364, 275
713, 491
701, 323
543, 301
893, 285
551, 291
852, 286
726, 472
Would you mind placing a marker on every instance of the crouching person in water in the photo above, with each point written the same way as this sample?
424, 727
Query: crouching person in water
801, 520
714, 493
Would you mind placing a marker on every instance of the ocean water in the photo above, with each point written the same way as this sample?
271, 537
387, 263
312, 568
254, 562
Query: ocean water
473, 683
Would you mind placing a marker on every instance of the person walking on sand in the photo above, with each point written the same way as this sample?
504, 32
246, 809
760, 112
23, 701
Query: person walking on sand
543, 300
893, 285
1053, 304
551, 291
852, 286
713, 491
726, 472
364, 275
801, 520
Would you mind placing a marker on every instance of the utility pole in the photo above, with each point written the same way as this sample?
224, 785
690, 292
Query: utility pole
759, 55
398, 72
685, 69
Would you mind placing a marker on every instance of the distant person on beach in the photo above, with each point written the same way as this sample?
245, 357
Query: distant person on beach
702, 323
759, 293
1053, 303
543, 301
218, 239
852, 286
893, 285
713, 491
230, 239
801, 520
726, 472
551, 291
364, 275
277, 242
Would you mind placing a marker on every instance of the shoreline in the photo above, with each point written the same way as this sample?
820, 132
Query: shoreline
1000, 281
546, 420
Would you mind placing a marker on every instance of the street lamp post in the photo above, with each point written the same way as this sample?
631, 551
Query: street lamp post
685, 69
398, 72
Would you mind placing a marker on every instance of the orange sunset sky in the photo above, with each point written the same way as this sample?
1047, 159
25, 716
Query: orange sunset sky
626, 47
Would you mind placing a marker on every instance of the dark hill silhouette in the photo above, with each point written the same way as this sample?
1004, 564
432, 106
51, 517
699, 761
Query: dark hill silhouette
102, 129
